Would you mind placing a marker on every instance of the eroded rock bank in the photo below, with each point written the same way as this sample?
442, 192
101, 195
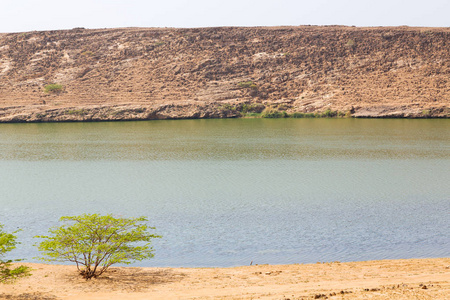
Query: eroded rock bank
186, 110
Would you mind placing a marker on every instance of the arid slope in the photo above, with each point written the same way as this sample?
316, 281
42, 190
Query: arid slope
148, 73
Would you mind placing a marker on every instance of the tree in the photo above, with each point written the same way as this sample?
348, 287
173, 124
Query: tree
53, 88
96, 242
7, 243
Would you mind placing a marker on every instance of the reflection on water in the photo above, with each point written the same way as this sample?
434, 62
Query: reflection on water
226, 139
227, 192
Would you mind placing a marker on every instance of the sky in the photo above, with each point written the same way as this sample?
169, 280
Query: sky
29, 15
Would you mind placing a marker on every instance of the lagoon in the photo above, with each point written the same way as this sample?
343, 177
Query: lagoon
232, 192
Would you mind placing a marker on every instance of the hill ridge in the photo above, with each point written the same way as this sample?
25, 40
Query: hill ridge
217, 72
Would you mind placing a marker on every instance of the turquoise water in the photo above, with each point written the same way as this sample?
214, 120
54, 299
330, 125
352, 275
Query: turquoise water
228, 192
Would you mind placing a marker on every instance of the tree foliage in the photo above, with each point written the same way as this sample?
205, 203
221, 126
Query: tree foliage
7, 273
94, 242
53, 88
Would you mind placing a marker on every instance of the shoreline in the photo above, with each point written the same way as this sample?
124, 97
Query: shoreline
383, 279
217, 110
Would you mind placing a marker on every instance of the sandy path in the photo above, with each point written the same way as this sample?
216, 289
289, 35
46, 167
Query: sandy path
388, 279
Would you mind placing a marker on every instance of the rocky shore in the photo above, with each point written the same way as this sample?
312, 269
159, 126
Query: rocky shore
130, 112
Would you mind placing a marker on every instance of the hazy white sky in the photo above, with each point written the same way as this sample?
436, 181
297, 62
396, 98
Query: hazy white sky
28, 15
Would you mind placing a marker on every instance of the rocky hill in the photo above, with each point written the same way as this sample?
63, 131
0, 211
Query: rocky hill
148, 73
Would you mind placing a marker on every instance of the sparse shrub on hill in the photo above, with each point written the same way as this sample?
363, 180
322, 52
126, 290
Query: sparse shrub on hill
158, 44
252, 108
426, 113
53, 88
228, 106
7, 273
87, 53
94, 242
350, 43
247, 85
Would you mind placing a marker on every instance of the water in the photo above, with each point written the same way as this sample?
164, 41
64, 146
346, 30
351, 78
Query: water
228, 192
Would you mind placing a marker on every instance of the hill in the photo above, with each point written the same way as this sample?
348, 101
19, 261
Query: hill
156, 73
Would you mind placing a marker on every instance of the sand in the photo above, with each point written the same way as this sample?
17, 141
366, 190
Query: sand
386, 279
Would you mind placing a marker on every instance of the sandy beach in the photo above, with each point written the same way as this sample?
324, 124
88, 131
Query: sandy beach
386, 279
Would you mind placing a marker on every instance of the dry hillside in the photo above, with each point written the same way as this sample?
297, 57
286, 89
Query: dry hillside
148, 73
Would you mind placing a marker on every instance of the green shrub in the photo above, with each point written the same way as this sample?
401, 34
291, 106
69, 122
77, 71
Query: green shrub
53, 88
298, 115
77, 112
426, 113
253, 114
274, 114
350, 43
303, 115
227, 107
247, 85
87, 53
95, 242
7, 273
245, 108
328, 114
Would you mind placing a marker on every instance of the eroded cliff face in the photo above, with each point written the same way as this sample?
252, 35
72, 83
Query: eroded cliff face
140, 73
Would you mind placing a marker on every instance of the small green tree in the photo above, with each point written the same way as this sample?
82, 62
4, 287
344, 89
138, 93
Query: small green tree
95, 242
247, 85
53, 88
7, 273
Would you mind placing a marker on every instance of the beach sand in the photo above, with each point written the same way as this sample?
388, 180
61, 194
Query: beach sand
385, 279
